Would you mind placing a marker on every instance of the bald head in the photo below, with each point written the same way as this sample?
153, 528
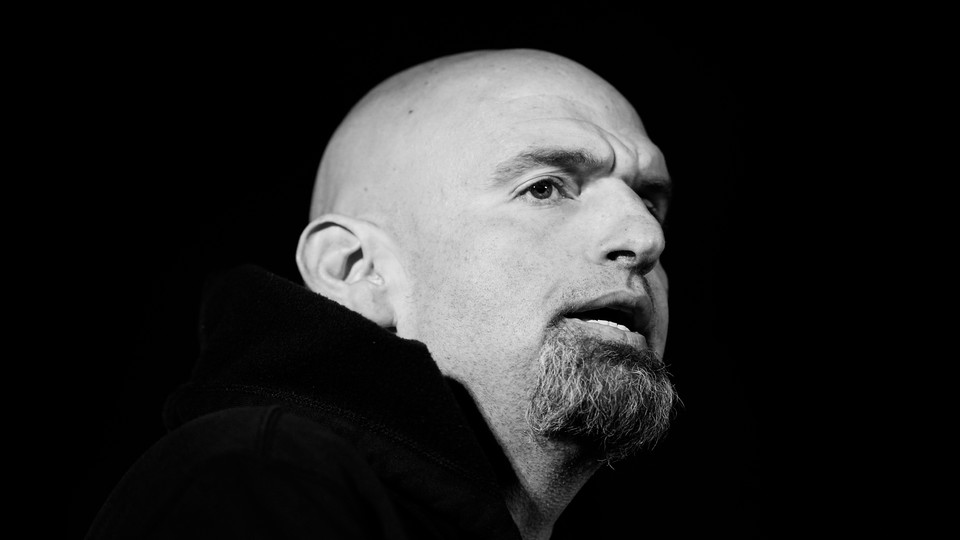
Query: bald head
424, 123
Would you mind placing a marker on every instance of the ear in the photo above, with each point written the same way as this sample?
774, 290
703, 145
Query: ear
345, 259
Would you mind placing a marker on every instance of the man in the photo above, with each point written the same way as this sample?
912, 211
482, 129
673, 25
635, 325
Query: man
497, 215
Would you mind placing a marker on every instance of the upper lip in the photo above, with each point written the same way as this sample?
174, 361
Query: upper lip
637, 307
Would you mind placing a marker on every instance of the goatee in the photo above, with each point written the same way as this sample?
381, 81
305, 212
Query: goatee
609, 397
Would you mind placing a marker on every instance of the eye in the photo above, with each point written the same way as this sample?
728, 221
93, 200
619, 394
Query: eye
542, 189
546, 189
654, 210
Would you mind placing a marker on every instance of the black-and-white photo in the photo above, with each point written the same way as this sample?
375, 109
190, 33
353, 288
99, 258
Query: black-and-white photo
465, 277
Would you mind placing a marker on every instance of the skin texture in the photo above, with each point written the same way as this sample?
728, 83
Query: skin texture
418, 225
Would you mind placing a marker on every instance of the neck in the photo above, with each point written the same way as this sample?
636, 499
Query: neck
538, 477
548, 475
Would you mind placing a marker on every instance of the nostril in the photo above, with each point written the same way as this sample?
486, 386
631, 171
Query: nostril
621, 254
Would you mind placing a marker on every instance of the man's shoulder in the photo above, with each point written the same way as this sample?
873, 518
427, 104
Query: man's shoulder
259, 439
265, 433
247, 467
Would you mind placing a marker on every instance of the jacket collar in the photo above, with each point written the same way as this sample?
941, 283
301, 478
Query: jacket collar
267, 340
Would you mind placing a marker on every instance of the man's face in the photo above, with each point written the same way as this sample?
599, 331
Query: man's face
541, 215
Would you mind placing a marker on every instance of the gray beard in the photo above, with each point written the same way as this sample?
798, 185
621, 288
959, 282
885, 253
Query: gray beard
608, 397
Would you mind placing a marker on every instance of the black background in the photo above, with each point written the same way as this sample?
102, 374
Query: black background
200, 135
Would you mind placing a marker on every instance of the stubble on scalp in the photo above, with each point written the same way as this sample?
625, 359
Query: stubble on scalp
609, 398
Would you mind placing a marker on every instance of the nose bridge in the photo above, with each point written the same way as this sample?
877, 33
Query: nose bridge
629, 234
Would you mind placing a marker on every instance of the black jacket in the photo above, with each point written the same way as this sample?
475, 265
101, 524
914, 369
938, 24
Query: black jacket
302, 419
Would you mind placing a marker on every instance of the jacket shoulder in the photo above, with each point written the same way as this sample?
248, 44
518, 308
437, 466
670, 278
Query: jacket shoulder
251, 472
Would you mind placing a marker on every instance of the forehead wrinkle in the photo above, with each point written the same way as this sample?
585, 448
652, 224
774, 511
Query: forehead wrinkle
560, 157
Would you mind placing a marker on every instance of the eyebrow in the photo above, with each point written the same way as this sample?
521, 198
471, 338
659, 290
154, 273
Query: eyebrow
570, 160
561, 158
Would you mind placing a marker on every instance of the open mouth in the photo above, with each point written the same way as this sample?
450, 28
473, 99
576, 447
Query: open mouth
608, 317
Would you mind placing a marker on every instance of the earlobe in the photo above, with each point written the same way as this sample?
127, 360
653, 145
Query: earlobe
338, 258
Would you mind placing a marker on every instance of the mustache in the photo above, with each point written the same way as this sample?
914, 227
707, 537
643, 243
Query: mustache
573, 300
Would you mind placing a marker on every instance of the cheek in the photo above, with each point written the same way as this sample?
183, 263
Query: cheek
493, 275
516, 260
505, 277
479, 320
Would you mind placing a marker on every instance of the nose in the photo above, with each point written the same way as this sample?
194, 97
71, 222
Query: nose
629, 235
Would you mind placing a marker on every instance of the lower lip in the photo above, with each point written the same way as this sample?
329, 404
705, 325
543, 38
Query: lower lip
630, 338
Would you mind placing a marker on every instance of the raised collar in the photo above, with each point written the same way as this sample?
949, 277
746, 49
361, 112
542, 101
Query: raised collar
267, 340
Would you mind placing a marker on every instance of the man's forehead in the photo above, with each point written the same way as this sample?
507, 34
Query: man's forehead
602, 125
625, 145
568, 133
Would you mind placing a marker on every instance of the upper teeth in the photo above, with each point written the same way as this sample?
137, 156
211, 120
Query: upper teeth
609, 323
